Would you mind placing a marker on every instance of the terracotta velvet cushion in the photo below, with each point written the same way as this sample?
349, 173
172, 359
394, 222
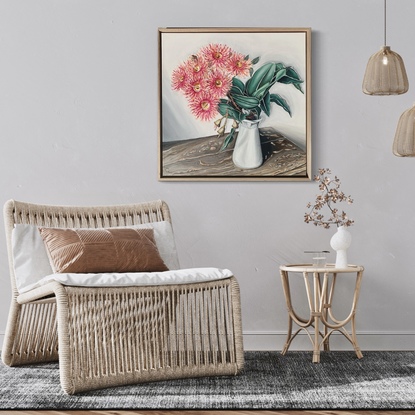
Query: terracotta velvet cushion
102, 250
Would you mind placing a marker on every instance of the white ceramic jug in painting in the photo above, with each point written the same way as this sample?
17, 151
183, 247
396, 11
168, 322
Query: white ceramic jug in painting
247, 153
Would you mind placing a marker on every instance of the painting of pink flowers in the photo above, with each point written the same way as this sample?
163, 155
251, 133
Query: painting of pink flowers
234, 104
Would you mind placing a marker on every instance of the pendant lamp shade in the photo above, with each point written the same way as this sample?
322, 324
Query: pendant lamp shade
385, 74
404, 142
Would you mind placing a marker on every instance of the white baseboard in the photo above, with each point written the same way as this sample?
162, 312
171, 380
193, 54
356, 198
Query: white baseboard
275, 340
368, 340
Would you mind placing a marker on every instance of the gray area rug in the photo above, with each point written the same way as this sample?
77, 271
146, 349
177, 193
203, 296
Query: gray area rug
381, 380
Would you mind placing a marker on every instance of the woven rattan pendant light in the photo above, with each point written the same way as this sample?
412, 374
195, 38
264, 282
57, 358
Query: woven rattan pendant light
404, 142
385, 72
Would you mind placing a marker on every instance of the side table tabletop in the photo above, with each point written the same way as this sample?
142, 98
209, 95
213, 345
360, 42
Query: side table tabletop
320, 298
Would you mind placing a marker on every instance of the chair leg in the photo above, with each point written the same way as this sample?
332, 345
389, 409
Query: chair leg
31, 333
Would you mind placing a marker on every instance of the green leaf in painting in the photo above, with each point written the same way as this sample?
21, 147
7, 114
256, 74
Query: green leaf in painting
279, 66
280, 73
292, 73
261, 76
266, 104
260, 92
279, 100
228, 139
245, 102
238, 83
298, 86
292, 77
256, 112
255, 60
235, 90
227, 110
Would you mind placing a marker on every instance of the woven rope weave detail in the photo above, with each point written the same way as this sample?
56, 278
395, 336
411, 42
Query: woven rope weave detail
144, 330
37, 337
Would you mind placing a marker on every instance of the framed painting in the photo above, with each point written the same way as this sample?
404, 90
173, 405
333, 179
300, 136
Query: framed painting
235, 104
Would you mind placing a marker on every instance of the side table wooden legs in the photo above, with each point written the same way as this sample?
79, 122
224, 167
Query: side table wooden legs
339, 325
320, 291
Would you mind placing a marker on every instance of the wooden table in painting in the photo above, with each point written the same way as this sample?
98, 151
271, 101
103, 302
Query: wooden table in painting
202, 157
320, 299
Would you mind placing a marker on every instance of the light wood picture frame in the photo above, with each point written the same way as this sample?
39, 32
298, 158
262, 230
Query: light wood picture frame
235, 104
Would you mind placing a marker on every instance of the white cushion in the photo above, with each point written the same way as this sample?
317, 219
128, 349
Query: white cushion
30, 259
182, 276
31, 262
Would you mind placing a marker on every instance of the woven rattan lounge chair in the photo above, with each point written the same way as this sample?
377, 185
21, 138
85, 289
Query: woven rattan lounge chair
109, 336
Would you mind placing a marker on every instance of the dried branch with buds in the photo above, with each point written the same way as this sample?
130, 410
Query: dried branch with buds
330, 194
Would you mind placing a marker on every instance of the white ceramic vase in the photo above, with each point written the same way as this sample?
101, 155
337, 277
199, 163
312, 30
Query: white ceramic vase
340, 242
247, 153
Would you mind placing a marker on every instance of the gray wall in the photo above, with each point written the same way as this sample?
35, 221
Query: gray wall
78, 125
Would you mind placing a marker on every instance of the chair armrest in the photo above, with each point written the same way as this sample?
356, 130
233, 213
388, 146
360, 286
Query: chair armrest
52, 288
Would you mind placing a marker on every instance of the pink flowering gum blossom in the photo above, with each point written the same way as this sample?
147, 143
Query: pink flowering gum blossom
206, 77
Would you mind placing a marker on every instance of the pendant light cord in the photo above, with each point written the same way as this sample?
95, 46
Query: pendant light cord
384, 21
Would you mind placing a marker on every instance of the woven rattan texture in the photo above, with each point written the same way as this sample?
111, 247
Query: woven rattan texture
115, 336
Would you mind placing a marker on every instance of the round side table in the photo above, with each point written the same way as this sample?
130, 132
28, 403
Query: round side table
320, 296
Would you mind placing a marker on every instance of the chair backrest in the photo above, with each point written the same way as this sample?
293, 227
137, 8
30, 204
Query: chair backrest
78, 217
